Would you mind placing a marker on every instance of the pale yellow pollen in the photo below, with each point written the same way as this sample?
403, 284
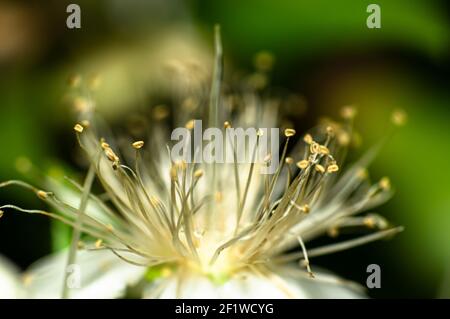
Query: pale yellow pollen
320, 168
42, 195
332, 168
289, 132
138, 144
399, 117
289, 160
78, 128
348, 112
99, 243
385, 183
190, 124
303, 164
226, 124
198, 173
308, 139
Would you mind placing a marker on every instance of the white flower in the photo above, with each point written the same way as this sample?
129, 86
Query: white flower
211, 230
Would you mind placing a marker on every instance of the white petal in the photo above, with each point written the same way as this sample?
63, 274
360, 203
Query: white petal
10, 281
250, 285
101, 274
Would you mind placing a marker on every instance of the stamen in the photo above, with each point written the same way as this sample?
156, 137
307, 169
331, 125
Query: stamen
303, 164
385, 183
138, 144
308, 139
78, 128
289, 132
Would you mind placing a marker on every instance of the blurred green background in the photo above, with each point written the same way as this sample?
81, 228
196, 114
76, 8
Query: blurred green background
323, 51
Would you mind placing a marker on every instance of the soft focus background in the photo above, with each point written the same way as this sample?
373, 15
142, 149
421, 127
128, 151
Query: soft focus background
322, 51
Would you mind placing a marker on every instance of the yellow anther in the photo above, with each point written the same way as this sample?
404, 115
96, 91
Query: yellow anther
333, 232
85, 123
42, 195
198, 173
314, 148
370, 222
264, 60
399, 117
260, 132
78, 128
324, 150
226, 124
182, 165
1, 213
303, 164
348, 112
160, 112
109, 228
306, 209
330, 130
320, 168
82, 105
98, 243
111, 155
308, 139
138, 144
332, 168
289, 160
385, 183
190, 124
104, 145
362, 173
343, 138
289, 132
